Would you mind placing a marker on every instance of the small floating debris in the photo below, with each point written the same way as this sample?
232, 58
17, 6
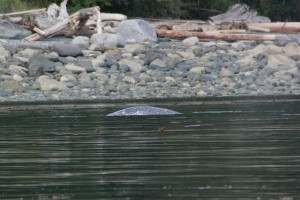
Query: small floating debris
161, 129
97, 130
143, 111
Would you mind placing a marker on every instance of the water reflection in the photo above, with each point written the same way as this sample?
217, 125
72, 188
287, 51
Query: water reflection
211, 151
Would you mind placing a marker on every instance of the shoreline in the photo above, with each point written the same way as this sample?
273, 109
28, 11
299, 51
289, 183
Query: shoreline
98, 104
91, 71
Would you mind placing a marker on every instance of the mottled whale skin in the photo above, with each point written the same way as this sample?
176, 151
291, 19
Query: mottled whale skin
143, 111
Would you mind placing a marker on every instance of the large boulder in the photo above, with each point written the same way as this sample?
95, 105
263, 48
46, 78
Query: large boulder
10, 30
137, 30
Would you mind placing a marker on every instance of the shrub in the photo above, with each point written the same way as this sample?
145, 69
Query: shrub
7, 6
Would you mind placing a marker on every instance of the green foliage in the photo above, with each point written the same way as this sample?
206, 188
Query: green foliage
7, 6
280, 10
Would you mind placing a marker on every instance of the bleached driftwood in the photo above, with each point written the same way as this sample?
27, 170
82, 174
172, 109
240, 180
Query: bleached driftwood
63, 13
279, 27
70, 26
113, 17
23, 12
239, 13
215, 36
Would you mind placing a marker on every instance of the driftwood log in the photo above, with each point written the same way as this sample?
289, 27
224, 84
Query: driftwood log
71, 25
214, 35
279, 27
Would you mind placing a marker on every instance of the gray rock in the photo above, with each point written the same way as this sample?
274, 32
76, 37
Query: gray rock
15, 62
157, 63
113, 69
124, 68
46, 83
10, 30
226, 73
81, 41
282, 40
17, 78
134, 48
28, 53
65, 61
191, 41
99, 61
170, 63
65, 49
201, 93
53, 56
280, 62
75, 69
69, 80
110, 61
85, 63
85, 80
107, 41
135, 65
238, 46
139, 30
187, 55
15, 69
35, 71
183, 66
143, 111
10, 85
41, 61
153, 54
249, 79
4, 52
198, 70
129, 80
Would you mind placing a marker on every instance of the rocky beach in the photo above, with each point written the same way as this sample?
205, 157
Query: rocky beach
120, 66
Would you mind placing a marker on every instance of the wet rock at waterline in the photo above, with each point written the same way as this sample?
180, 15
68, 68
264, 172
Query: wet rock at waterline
143, 111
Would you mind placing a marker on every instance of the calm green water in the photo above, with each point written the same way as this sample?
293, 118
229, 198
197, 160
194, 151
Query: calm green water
234, 151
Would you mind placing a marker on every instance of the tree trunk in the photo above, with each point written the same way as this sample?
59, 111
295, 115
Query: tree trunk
214, 36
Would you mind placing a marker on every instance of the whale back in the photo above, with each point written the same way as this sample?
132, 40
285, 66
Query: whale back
143, 111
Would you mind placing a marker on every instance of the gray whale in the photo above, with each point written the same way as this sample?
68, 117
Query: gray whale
143, 111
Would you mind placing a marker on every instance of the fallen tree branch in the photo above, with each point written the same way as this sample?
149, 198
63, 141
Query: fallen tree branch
214, 36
